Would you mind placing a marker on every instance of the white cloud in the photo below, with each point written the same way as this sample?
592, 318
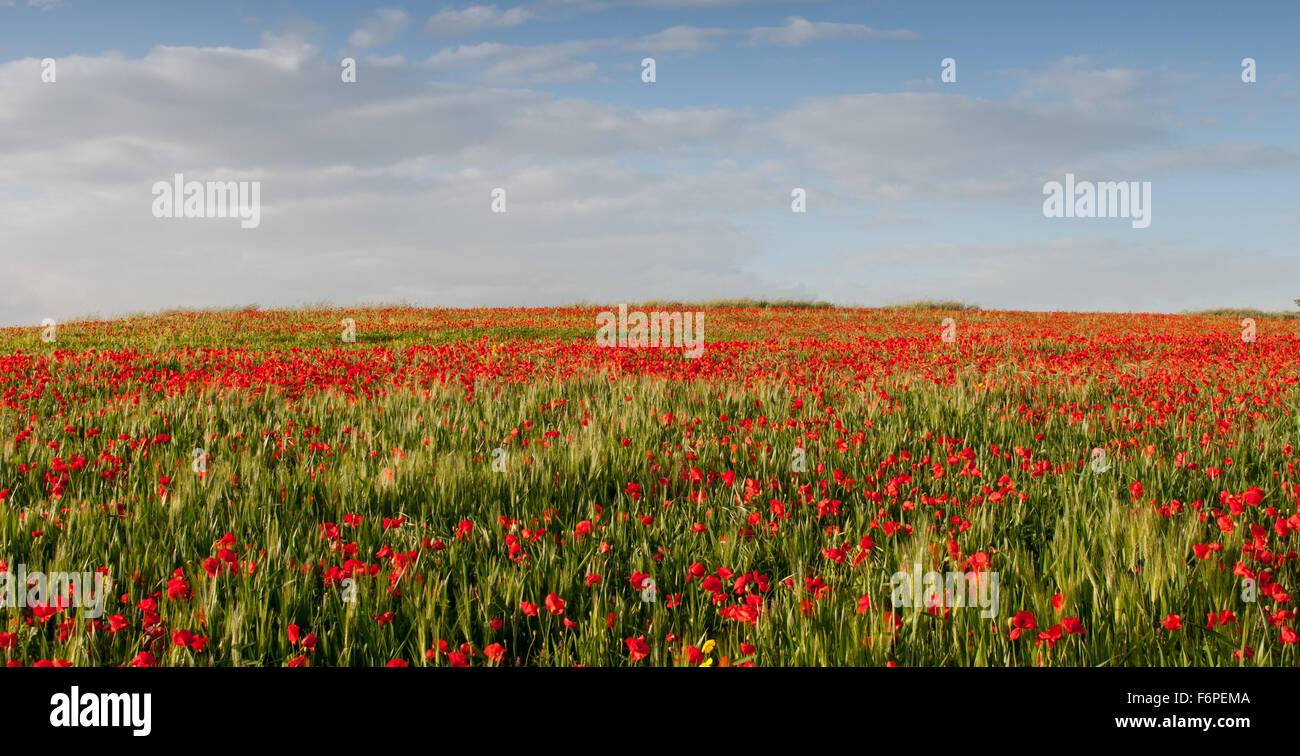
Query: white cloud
520, 64
681, 38
381, 28
381, 191
450, 22
504, 64
799, 31
374, 192
922, 146
1103, 275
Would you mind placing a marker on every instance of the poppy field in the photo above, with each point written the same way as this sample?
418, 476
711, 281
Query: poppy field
492, 487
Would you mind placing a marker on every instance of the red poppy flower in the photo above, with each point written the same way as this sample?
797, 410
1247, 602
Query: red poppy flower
1023, 620
637, 648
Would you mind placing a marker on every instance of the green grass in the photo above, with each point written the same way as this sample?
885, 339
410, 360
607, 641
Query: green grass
1120, 565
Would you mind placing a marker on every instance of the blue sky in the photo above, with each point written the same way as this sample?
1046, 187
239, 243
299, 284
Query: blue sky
622, 190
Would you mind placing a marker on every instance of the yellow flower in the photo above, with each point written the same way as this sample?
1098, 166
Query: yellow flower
707, 663
708, 647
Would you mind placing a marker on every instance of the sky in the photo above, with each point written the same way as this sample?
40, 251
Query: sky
619, 189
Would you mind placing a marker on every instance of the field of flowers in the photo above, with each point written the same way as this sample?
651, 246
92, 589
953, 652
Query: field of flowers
490, 487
